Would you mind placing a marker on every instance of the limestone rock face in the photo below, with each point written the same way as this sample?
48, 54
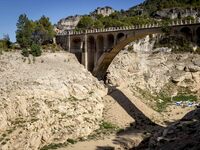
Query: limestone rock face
68, 23
196, 62
105, 11
151, 69
184, 134
174, 13
46, 101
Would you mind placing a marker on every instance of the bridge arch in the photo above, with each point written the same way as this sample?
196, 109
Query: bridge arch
120, 37
91, 52
99, 46
187, 33
76, 48
105, 60
111, 41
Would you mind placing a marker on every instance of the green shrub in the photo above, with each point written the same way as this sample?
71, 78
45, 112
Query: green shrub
177, 43
1, 51
53, 146
183, 97
165, 27
107, 125
36, 50
130, 48
197, 50
72, 141
25, 52
166, 100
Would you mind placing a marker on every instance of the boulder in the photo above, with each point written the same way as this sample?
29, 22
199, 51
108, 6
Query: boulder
196, 62
184, 134
180, 67
192, 68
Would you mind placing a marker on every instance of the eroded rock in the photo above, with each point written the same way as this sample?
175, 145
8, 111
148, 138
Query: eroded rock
47, 101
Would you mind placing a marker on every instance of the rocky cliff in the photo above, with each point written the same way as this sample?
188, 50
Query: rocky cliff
68, 23
46, 100
155, 73
177, 13
167, 82
181, 135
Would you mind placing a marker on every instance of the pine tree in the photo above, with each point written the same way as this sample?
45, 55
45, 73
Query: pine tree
24, 31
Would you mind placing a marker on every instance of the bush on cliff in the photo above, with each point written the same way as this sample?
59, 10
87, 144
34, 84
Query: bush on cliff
25, 52
29, 32
36, 50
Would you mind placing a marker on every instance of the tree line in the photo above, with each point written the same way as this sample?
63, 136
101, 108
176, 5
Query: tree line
5, 43
137, 15
153, 5
32, 34
116, 19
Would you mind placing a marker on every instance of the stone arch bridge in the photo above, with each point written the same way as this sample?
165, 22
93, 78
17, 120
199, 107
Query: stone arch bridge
96, 48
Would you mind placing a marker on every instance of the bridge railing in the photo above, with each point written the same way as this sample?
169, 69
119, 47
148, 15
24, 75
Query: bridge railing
143, 26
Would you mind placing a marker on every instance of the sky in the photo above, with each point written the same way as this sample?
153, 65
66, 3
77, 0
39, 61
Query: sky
54, 9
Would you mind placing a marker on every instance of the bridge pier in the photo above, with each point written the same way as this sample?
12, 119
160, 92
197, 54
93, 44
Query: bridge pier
69, 43
96, 49
85, 52
194, 36
100, 47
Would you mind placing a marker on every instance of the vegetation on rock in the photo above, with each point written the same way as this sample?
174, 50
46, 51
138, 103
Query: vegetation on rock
25, 52
36, 50
137, 15
29, 32
5, 43
154, 5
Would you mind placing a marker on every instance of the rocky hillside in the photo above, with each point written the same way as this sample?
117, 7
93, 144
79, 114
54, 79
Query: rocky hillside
143, 79
182, 135
46, 100
156, 74
71, 22
150, 11
167, 82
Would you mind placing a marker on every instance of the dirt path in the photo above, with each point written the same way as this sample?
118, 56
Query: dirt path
135, 108
112, 142
93, 145
123, 109
120, 108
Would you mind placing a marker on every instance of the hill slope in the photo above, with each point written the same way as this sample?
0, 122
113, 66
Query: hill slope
45, 101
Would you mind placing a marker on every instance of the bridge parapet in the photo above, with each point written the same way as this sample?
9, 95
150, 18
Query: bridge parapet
134, 27
95, 48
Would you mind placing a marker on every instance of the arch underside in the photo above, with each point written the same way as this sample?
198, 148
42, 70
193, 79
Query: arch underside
187, 33
76, 48
91, 52
99, 47
198, 36
107, 57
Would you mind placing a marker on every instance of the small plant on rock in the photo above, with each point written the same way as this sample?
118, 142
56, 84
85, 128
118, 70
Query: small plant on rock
36, 50
25, 52
130, 48
107, 125
1, 51
72, 141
